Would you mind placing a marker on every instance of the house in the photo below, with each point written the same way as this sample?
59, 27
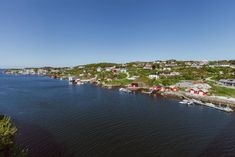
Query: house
193, 91
227, 82
157, 61
196, 65
167, 73
185, 84
155, 88
198, 91
147, 67
119, 70
132, 78
174, 88
166, 69
220, 65
134, 85
153, 76
55, 70
223, 65
109, 69
171, 65
99, 69
188, 63
202, 92
203, 62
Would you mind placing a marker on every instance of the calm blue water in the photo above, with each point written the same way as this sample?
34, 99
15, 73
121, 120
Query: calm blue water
57, 120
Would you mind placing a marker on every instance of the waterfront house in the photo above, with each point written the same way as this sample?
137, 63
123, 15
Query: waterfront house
134, 85
193, 91
174, 88
198, 91
155, 88
202, 92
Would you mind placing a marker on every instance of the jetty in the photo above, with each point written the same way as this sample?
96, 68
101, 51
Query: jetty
207, 99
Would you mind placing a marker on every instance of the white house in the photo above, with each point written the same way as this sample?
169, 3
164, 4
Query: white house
166, 69
148, 67
109, 68
132, 78
153, 76
99, 69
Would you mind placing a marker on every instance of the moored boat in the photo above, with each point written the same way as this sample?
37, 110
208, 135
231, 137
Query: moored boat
185, 101
124, 90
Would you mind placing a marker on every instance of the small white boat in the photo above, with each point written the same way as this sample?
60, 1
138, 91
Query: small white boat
185, 101
79, 83
124, 90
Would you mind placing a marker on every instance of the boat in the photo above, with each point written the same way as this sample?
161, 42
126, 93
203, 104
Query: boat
185, 101
79, 83
124, 90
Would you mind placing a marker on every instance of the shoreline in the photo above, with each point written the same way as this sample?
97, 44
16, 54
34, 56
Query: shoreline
180, 95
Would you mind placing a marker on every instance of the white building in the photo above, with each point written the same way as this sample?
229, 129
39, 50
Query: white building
153, 76
99, 69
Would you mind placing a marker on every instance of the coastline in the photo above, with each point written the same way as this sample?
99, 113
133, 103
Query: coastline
180, 95
216, 100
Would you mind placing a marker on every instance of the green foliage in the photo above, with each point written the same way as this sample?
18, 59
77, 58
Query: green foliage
121, 76
7, 132
223, 91
102, 65
120, 82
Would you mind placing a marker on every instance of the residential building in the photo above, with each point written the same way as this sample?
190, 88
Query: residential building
227, 82
153, 76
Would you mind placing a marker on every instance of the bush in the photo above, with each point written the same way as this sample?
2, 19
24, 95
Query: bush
7, 132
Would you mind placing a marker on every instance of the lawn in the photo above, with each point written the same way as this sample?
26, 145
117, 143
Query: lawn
223, 91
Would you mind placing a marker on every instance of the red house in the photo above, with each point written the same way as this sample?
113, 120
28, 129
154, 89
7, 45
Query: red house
156, 88
134, 85
202, 92
193, 91
174, 89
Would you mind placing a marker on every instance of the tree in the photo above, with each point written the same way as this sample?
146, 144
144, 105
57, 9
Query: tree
7, 132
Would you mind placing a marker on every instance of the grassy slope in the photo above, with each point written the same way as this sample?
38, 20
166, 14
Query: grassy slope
223, 91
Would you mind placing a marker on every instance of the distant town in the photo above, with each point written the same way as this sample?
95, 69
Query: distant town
194, 79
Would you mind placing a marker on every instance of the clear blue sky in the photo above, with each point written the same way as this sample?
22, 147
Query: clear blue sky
72, 32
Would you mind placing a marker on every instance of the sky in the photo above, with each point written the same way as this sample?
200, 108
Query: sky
36, 33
